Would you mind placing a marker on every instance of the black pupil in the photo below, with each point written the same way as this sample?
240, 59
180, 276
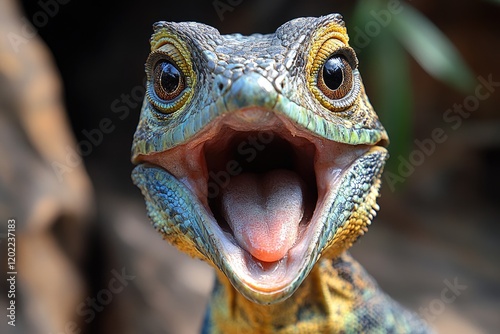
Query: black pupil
333, 74
170, 77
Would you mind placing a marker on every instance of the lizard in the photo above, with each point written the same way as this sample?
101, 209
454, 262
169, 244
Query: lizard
262, 156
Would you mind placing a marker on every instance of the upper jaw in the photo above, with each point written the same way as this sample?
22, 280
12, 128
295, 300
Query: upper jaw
331, 167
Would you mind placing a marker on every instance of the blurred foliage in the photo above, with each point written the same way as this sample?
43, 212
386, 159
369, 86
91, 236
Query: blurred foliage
401, 31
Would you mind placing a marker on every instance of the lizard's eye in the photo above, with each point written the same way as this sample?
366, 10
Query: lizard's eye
169, 82
335, 79
171, 78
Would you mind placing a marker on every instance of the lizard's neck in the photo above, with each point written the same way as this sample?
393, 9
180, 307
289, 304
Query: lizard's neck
325, 302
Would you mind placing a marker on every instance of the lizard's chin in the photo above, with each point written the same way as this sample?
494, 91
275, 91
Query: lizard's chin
267, 195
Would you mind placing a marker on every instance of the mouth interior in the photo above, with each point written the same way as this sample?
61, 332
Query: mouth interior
261, 189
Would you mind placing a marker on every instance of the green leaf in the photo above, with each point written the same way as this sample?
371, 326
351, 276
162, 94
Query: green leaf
431, 49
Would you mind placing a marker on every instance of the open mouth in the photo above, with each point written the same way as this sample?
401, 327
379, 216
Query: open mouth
261, 189
265, 188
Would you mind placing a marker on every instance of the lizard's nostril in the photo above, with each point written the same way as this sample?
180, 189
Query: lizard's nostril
280, 83
221, 85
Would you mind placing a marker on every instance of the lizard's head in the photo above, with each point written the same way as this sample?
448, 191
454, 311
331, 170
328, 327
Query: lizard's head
258, 153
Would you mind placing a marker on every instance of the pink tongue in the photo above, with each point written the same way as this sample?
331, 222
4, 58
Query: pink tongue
264, 212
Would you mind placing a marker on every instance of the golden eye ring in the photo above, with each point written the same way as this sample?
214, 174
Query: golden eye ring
332, 74
171, 77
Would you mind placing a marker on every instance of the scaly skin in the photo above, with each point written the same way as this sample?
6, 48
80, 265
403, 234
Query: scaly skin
231, 90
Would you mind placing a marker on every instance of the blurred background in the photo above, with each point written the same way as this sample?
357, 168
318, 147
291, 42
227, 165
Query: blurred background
72, 77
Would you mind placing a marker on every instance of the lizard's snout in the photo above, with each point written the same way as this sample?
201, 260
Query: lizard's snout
250, 90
